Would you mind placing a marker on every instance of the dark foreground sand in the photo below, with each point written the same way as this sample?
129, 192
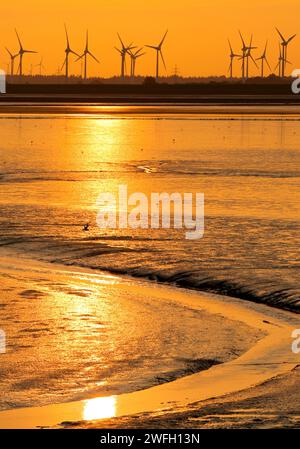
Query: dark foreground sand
273, 404
258, 388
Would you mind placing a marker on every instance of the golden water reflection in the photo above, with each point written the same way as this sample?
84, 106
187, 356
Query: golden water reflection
100, 408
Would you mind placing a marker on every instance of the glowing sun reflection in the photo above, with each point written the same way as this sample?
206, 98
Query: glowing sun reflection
99, 408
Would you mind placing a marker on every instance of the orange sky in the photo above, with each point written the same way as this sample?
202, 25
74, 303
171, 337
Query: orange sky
197, 31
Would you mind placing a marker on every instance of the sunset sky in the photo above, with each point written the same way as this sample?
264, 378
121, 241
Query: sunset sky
197, 40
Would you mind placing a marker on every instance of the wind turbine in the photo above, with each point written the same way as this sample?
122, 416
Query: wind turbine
159, 53
232, 56
12, 60
250, 48
263, 59
246, 55
123, 52
134, 57
21, 53
68, 51
85, 54
41, 66
284, 43
281, 61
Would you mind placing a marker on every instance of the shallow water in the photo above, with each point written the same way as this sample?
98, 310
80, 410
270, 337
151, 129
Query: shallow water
52, 169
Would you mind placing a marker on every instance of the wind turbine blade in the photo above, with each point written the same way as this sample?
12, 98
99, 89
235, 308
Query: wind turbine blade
123, 46
30, 51
152, 46
253, 60
138, 51
19, 39
74, 53
80, 57
291, 38
10, 54
277, 66
162, 57
87, 39
244, 45
230, 46
118, 50
250, 45
94, 57
282, 38
268, 64
63, 64
130, 48
67, 36
163, 39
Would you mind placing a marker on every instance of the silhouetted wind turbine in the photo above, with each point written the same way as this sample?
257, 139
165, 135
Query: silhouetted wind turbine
21, 53
12, 60
244, 55
263, 59
232, 56
85, 54
134, 57
68, 51
123, 52
284, 43
159, 53
281, 61
41, 66
250, 48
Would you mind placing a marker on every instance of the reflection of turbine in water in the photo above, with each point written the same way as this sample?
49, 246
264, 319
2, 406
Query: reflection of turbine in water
99, 408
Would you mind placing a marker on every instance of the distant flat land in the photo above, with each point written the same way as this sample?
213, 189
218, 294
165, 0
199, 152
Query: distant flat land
211, 93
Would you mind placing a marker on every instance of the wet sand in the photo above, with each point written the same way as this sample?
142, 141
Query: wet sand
269, 356
274, 404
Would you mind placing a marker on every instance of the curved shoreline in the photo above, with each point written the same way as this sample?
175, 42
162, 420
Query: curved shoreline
270, 357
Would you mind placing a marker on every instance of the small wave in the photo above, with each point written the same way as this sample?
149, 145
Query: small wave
174, 168
225, 282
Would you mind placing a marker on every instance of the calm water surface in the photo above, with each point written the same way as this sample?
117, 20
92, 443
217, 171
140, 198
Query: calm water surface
53, 167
